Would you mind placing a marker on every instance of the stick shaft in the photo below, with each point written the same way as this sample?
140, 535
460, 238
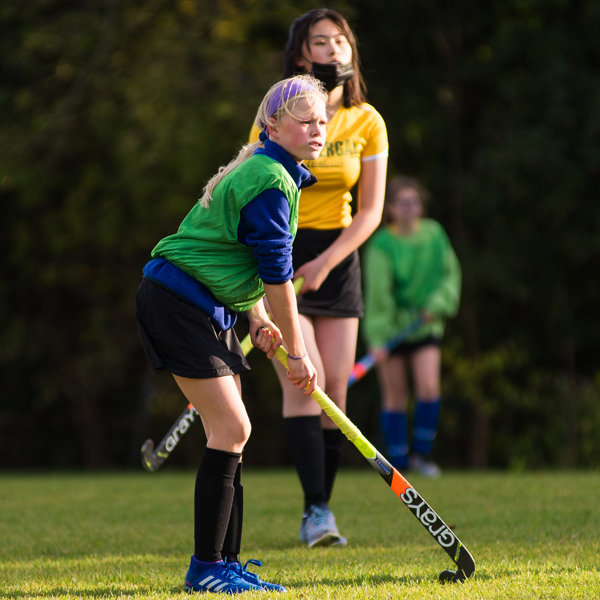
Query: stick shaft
363, 366
152, 460
400, 486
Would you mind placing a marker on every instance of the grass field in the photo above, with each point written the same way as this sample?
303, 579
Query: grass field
130, 535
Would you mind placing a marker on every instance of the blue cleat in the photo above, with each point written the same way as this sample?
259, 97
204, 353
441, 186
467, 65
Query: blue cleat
217, 578
252, 578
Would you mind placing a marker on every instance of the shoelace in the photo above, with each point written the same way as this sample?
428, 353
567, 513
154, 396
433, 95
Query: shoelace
240, 571
233, 573
252, 561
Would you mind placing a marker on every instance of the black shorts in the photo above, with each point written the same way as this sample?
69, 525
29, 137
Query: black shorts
341, 293
409, 348
180, 338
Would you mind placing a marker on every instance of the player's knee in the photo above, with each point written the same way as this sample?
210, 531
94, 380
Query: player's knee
295, 403
395, 402
337, 389
429, 393
244, 431
238, 432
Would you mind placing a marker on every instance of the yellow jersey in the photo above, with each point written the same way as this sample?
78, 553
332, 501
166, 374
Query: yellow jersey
354, 135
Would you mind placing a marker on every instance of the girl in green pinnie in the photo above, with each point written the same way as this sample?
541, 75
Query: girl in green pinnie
410, 268
234, 247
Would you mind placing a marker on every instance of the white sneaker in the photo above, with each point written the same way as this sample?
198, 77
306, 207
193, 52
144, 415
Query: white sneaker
303, 536
427, 468
319, 529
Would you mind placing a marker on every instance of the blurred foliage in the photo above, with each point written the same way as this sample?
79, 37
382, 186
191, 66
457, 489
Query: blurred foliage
493, 108
113, 116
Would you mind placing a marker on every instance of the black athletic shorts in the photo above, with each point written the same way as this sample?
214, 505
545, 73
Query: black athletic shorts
409, 348
341, 293
180, 338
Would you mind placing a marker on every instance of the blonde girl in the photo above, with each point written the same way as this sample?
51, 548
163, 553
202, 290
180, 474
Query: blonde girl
233, 248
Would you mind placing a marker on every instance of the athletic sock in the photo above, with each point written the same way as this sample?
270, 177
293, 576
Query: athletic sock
200, 565
233, 538
394, 428
333, 439
213, 499
427, 415
305, 442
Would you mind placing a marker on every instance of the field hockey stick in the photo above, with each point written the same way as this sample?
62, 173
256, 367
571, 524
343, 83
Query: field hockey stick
363, 366
153, 459
434, 525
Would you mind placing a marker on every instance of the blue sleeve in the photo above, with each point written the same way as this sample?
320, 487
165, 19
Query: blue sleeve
265, 227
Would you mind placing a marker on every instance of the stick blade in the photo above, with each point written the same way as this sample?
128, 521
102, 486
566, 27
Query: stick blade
449, 576
149, 461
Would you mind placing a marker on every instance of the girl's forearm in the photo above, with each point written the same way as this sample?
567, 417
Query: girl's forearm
257, 312
282, 302
371, 191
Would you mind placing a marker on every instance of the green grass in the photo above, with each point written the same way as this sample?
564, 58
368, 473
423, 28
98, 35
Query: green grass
115, 535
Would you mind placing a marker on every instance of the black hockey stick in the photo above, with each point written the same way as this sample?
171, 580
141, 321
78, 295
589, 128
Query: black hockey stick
363, 366
434, 525
152, 460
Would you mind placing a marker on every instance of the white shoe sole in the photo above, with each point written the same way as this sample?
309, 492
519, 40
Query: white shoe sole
341, 542
327, 539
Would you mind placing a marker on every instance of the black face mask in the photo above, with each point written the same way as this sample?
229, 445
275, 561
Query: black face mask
332, 75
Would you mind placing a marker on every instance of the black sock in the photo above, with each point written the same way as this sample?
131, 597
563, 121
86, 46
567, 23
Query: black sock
305, 442
213, 498
233, 537
333, 439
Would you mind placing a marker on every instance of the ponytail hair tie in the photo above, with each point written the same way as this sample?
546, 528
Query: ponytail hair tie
262, 136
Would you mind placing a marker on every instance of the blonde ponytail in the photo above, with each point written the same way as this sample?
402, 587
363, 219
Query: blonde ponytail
244, 154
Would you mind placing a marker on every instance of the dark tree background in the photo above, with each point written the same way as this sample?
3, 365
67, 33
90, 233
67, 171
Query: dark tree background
113, 116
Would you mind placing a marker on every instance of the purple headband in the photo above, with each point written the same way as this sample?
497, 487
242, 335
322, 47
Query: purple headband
290, 89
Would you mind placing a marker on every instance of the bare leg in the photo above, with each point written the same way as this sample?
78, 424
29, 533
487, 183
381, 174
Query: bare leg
331, 344
425, 364
295, 403
227, 427
224, 416
302, 424
393, 380
336, 339
426, 374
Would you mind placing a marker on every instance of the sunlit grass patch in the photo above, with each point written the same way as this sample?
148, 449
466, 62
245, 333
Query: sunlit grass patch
131, 535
